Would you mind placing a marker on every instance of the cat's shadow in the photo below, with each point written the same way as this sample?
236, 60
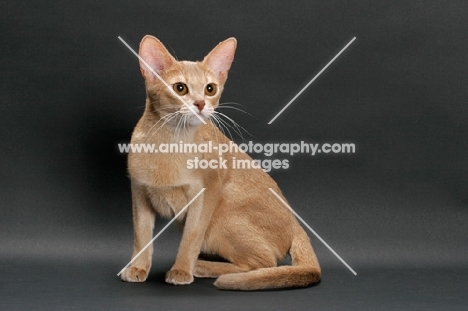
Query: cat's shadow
158, 272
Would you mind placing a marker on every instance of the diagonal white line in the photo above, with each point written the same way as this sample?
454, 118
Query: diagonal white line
164, 82
312, 230
162, 230
310, 82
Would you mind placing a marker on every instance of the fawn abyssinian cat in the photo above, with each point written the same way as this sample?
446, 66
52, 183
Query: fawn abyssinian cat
236, 217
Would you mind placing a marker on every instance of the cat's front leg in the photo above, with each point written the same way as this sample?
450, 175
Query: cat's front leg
143, 224
197, 221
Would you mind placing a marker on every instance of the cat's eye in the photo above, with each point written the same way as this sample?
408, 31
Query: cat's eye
211, 89
180, 88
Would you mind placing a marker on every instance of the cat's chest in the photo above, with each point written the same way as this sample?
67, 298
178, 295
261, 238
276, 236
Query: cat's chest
160, 170
166, 161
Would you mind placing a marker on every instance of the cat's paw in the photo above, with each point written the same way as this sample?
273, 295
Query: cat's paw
133, 274
178, 277
202, 270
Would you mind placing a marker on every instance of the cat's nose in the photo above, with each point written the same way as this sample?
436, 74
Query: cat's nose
200, 104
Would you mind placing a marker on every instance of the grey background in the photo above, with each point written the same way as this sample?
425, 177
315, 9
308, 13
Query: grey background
396, 210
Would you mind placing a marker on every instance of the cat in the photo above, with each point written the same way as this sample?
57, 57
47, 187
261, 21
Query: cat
236, 217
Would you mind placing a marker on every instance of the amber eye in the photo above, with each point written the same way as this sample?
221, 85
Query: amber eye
180, 88
211, 89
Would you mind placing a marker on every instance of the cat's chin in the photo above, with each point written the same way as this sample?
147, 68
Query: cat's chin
196, 120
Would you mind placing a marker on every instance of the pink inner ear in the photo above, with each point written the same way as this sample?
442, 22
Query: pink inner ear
221, 63
154, 59
219, 60
155, 55
151, 60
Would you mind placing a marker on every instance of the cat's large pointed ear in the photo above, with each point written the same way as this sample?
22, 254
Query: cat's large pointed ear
155, 55
219, 60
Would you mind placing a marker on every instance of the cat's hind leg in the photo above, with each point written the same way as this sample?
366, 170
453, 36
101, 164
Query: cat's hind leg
213, 269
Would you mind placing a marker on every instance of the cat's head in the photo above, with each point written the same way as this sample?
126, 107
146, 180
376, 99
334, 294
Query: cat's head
183, 91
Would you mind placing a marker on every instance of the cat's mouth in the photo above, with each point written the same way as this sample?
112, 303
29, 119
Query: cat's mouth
199, 117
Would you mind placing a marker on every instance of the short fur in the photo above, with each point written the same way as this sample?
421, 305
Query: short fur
236, 217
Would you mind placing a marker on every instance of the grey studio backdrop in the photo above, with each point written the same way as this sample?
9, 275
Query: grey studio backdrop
396, 210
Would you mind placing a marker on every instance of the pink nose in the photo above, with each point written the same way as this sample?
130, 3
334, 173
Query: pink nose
200, 104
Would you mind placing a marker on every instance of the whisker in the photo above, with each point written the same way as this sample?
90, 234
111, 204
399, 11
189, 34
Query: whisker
217, 125
157, 123
166, 119
230, 103
224, 124
235, 108
185, 125
234, 123
235, 126
216, 130
177, 131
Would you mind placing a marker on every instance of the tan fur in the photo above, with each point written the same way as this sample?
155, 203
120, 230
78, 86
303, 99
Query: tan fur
236, 217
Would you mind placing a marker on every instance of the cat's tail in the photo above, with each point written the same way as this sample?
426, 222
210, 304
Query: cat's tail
304, 271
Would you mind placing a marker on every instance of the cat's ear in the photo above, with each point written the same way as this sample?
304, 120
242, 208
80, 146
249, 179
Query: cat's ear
155, 55
219, 60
